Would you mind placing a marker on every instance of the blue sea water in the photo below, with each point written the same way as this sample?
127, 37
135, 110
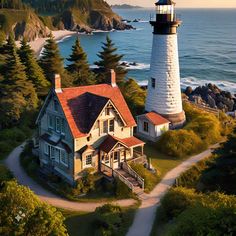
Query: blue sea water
207, 46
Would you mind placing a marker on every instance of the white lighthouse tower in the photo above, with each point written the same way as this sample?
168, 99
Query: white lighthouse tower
164, 92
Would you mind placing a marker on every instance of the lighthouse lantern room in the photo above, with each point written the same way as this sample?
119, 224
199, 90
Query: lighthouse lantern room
164, 92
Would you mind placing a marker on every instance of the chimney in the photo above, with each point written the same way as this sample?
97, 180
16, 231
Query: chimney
113, 78
57, 83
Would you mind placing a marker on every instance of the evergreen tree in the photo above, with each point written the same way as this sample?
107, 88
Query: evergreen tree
33, 71
110, 60
51, 61
79, 67
18, 93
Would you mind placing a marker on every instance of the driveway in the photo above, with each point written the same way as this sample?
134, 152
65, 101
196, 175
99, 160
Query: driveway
13, 163
145, 216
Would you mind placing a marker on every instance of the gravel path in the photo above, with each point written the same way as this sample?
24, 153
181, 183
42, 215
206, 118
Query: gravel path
145, 216
13, 163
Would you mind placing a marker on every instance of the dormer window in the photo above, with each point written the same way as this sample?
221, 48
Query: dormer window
107, 111
111, 126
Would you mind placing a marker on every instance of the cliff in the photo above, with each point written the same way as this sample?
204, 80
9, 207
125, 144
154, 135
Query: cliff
34, 19
23, 23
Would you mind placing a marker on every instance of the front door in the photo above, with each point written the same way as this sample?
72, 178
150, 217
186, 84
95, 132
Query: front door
116, 160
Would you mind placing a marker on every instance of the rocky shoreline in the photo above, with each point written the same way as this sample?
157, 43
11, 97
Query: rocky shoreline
212, 96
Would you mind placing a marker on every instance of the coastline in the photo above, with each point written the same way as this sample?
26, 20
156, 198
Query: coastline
39, 43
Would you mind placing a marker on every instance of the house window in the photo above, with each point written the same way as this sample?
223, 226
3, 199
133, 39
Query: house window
145, 127
105, 126
56, 106
111, 126
52, 153
107, 111
88, 160
50, 121
58, 124
57, 155
46, 149
153, 83
64, 158
63, 125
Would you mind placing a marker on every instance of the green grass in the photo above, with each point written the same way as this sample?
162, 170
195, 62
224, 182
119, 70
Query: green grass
82, 223
161, 162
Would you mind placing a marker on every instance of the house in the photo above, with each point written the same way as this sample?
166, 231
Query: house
151, 126
88, 126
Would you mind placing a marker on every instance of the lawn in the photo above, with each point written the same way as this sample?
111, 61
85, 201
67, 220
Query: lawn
82, 223
161, 162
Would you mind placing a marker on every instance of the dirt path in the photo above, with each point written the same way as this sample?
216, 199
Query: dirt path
145, 216
13, 163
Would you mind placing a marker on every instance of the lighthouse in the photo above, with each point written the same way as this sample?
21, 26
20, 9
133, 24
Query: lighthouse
164, 92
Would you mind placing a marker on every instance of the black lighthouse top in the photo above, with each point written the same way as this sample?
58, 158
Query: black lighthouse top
166, 21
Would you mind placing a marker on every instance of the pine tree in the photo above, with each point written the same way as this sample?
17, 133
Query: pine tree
110, 60
33, 71
18, 93
51, 61
79, 67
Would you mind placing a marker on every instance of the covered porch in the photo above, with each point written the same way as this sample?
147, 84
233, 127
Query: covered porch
115, 151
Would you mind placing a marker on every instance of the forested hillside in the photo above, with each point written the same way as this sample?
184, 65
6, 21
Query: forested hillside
35, 18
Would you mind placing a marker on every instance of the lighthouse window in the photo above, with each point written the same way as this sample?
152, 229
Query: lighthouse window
153, 83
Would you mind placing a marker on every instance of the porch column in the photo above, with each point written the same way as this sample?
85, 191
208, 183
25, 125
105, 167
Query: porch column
142, 149
111, 159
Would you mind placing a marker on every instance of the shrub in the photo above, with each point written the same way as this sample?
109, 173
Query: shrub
208, 127
150, 179
176, 201
180, 143
5, 174
122, 190
13, 134
108, 219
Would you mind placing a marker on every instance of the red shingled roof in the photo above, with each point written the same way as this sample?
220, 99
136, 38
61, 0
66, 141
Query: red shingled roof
111, 141
156, 119
82, 105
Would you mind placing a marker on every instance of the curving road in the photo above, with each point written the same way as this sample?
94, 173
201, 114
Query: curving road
13, 163
145, 215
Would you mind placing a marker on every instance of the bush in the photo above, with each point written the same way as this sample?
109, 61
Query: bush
191, 177
180, 143
176, 201
108, 219
150, 179
122, 190
208, 127
214, 215
13, 135
5, 174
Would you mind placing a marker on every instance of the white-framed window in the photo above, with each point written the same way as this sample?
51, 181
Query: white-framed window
64, 158
63, 126
111, 125
57, 154
50, 121
107, 111
145, 127
46, 149
88, 160
58, 124
105, 126
52, 152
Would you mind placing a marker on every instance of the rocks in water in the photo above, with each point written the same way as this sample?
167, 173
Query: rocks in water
212, 96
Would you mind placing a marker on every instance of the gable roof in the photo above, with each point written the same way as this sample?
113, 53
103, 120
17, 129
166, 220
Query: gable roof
111, 141
82, 106
156, 119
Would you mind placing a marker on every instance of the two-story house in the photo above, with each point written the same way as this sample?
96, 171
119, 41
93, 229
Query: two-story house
88, 126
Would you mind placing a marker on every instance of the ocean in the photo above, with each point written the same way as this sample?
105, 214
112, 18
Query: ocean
207, 46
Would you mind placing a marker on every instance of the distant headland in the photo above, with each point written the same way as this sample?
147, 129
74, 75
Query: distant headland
125, 6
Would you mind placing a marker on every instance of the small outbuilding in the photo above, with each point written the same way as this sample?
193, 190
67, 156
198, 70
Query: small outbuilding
151, 126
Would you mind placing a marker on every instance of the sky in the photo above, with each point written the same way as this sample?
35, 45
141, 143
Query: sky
182, 3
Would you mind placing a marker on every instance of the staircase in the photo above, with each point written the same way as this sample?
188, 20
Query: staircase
136, 188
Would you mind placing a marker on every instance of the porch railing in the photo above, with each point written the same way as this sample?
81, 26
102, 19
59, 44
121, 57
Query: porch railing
123, 179
114, 173
107, 169
126, 167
